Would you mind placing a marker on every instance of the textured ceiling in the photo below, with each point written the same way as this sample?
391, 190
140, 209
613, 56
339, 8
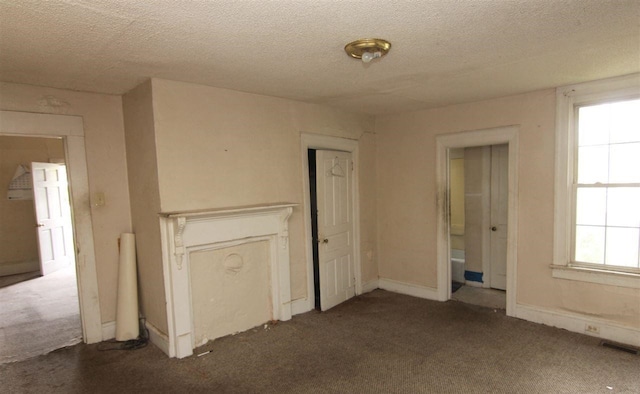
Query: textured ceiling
444, 51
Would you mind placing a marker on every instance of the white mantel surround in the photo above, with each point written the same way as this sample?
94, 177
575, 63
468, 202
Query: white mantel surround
186, 232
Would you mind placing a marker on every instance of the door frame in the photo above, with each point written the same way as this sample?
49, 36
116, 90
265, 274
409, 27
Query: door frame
325, 142
71, 130
494, 136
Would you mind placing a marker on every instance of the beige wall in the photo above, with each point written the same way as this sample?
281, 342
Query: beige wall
145, 201
106, 162
221, 148
407, 203
18, 240
368, 208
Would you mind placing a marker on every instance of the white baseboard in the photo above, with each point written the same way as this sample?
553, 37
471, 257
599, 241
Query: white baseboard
577, 323
408, 289
108, 330
158, 338
370, 286
300, 306
155, 336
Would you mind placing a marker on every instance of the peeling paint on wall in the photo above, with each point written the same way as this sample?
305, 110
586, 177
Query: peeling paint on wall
52, 104
230, 290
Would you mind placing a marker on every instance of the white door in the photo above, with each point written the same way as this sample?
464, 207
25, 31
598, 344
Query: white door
499, 204
53, 216
335, 227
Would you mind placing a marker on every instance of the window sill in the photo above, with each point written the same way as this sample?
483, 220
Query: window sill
603, 277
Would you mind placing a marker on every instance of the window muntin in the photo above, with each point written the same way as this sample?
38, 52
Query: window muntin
606, 229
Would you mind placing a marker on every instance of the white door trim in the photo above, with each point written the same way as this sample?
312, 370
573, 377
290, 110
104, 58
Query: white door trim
316, 141
70, 128
501, 135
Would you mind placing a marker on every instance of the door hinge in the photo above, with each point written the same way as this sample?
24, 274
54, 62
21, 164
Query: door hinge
351, 165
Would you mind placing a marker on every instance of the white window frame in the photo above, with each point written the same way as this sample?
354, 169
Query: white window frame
567, 99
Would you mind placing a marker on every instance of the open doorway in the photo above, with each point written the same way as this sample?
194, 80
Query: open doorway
70, 128
38, 286
445, 143
478, 210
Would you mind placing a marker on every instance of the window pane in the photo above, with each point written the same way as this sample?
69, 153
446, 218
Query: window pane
607, 216
593, 164
591, 204
593, 124
625, 163
590, 244
623, 207
622, 246
625, 121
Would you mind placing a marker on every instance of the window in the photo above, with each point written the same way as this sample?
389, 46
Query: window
607, 185
597, 202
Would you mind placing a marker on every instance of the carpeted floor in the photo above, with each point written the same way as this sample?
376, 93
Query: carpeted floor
6, 281
39, 315
378, 342
490, 298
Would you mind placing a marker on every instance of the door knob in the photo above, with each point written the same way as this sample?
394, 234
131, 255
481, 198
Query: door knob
494, 228
325, 241
39, 225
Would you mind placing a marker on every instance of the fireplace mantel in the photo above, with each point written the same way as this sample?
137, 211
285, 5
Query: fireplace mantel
184, 232
243, 210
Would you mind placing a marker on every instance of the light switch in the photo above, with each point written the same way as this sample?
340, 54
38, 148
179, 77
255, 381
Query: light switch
98, 199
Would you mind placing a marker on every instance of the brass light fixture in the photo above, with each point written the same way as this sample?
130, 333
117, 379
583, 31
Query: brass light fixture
367, 49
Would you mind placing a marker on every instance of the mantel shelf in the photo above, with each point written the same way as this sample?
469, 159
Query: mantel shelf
228, 211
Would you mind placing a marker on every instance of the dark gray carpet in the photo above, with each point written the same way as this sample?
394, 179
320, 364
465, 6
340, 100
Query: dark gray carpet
379, 342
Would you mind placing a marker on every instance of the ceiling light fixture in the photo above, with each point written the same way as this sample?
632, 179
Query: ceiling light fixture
367, 49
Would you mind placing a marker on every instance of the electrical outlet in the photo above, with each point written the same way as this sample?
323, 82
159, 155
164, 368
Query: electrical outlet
592, 328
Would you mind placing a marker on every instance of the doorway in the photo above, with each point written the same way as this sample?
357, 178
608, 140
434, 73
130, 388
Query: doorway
478, 224
444, 144
38, 287
330, 186
70, 129
340, 146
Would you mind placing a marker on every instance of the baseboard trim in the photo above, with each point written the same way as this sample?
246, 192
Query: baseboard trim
108, 330
158, 338
19, 267
300, 306
428, 293
370, 286
155, 336
577, 323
